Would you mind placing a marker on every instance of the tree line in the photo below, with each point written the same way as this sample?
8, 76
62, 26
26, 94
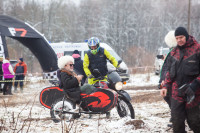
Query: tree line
134, 28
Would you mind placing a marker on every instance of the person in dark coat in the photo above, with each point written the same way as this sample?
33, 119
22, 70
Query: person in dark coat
70, 81
170, 40
1, 74
78, 65
20, 70
184, 68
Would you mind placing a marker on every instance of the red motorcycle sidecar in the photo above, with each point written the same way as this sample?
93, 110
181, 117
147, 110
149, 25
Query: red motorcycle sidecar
101, 100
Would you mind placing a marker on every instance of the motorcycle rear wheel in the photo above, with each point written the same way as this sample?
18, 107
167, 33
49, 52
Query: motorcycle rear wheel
58, 106
125, 108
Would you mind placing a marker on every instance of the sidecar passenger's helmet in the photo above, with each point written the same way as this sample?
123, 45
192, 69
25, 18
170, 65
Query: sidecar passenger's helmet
94, 41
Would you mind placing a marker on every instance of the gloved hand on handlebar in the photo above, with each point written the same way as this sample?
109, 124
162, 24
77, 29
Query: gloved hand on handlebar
91, 76
119, 69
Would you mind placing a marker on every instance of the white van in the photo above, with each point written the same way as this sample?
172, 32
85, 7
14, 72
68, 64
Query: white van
162, 53
64, 48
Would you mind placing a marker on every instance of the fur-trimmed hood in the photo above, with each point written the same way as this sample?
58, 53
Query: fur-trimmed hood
170, 39
62, 61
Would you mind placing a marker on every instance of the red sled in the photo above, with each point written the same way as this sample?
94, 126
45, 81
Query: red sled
101, 100
49, 95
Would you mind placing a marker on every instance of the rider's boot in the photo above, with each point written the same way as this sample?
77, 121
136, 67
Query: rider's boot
107, 115
90, 116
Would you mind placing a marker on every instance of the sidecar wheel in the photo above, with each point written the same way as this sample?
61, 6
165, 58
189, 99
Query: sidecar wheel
125, 109
56, 110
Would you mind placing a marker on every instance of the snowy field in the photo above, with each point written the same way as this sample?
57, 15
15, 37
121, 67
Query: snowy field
22, 112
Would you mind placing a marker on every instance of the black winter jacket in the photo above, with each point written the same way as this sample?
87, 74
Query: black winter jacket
78, 67
165, 68
184, 68
70, 85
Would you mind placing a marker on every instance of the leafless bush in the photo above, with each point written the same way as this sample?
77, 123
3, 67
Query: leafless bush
141, 70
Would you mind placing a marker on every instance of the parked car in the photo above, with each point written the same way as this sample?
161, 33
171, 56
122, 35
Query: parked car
13, 63
160, 57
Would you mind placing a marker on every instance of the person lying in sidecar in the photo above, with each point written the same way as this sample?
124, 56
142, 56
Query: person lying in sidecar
70, 81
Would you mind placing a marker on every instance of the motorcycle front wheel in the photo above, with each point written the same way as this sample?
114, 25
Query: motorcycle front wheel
125, 108
57, 109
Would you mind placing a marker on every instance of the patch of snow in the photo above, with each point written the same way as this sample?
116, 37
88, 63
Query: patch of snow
149, 79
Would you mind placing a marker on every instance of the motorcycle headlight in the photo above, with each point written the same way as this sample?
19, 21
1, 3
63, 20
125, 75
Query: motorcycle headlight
118, 85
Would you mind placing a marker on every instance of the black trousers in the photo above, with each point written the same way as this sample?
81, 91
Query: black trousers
167, 98
7, 87
180, 113
1, 78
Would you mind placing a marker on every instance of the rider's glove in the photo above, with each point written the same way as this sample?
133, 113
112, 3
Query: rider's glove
120, 69
189, 94
90, 76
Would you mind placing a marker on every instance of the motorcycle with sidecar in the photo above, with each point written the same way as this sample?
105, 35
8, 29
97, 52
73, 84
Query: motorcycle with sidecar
106, 96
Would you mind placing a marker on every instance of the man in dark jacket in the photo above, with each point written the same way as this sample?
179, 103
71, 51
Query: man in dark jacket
78, 65
20, 71
96, 58
184, 62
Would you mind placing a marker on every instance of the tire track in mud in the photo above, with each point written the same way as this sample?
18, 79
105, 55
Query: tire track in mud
140, 88
141, 94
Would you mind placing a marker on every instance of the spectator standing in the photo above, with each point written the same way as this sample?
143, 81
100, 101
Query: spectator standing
1, 74
8, 76
184, 69
78, 65
170, 40
20, 70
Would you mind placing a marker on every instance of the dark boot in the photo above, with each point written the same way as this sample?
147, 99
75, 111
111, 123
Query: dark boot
10, 90
5, 93
15, 90
90, 116
21, 89
107, 115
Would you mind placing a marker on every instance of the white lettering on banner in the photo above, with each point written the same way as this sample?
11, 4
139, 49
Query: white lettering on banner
56, 47
12, 31
72, 46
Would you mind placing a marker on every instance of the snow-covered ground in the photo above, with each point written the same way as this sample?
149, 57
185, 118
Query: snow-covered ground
22, 112
149, 79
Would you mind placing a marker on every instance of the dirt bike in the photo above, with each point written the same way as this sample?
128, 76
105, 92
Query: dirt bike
107, 95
